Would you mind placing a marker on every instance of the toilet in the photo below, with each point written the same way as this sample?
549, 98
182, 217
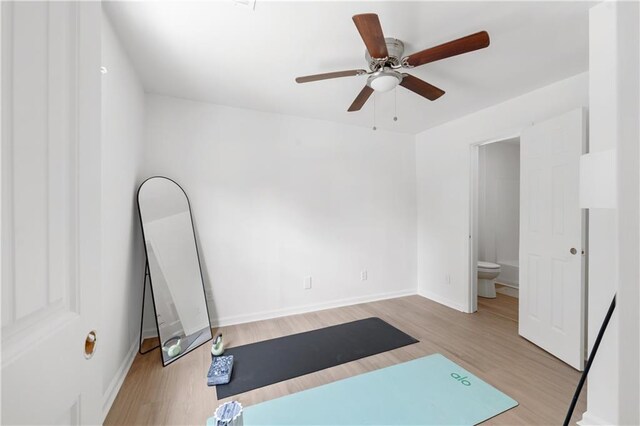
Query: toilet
487, 273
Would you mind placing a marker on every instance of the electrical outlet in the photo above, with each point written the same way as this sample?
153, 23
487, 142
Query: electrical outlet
307, 283
363, 275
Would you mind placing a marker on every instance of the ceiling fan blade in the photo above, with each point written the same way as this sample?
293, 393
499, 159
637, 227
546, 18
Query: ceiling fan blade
361, 99
421, 87
456, 47
328, 75
370, 30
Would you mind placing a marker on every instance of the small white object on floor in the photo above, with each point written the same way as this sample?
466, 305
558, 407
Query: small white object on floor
217, 348
229, 414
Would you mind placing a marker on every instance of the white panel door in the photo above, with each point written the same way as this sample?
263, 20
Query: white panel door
551, 237
50, 212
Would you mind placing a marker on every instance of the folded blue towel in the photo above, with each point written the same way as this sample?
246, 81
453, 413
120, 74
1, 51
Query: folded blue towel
220, 370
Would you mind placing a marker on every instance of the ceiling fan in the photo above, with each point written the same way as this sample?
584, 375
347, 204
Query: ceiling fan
384, 57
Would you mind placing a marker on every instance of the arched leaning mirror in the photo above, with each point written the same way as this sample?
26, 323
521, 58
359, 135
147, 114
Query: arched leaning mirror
177, 287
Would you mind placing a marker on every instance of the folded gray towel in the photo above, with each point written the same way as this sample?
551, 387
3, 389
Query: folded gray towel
220, 370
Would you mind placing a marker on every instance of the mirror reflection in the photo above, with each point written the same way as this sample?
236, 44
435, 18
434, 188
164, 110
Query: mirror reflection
172, 257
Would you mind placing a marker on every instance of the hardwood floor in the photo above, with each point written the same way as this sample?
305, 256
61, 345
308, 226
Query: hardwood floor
485, 343
502, 305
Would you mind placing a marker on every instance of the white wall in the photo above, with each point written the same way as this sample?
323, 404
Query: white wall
122, 251
602, 396
499, 202
278, 198
613, 385
628, 21
443, 181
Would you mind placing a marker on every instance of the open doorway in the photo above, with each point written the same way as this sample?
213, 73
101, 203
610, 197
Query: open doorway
496, 234
551, 239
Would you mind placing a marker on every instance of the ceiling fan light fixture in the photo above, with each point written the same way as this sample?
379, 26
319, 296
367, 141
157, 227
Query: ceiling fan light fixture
384, 80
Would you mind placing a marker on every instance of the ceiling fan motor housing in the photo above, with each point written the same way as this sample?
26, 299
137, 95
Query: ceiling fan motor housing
396, 50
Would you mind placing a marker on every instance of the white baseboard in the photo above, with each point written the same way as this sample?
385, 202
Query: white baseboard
509, 291
508, 284
116, 383
276, 313
589, 419
443, 301
148, 333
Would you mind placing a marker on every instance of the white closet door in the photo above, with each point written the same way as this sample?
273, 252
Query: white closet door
50, 212
551, 237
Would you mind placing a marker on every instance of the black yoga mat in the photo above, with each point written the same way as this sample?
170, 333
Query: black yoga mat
271, 361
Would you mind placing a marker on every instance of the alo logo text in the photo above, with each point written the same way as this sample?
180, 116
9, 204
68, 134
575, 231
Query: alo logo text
461, 379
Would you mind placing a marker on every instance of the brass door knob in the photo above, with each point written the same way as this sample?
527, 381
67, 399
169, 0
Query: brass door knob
90, 344
573, 250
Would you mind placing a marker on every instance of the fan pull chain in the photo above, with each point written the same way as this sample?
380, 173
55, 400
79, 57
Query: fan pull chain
374, 111
395, 104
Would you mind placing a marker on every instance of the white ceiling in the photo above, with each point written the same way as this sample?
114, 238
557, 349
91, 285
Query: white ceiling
227, 54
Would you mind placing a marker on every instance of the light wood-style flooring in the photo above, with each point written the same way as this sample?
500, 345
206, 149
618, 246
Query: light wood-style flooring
502, 305
486, 343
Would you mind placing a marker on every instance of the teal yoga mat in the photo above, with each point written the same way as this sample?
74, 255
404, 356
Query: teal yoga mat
427, 391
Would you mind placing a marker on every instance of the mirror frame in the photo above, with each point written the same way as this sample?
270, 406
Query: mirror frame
195, 242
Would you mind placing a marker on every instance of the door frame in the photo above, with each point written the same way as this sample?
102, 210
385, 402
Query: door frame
474, 180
